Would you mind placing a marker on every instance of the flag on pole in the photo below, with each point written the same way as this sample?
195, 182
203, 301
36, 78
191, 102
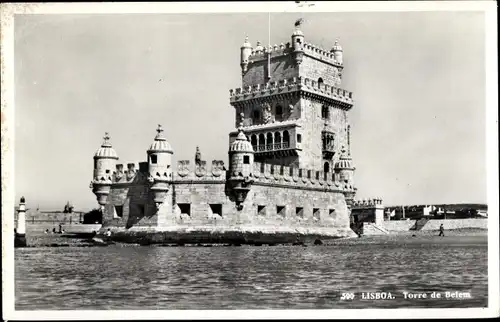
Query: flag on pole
299, 22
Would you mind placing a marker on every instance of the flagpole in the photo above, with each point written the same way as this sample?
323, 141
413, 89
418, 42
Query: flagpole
269, 46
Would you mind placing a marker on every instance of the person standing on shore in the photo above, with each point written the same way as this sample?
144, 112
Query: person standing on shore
441, 230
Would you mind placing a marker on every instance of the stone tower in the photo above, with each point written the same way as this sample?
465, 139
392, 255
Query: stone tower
159, 166
290, 103
104, 165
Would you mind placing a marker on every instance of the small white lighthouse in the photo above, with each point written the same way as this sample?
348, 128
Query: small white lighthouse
20, 235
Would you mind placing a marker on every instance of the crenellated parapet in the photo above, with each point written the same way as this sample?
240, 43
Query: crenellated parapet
367, 203
134, 172
269, 174
294, 84
261, 52
186, 171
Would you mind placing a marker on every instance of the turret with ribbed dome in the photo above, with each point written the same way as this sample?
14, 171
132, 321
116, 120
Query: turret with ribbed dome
241, 156
159, 166
105, 159
345, 168
104, 165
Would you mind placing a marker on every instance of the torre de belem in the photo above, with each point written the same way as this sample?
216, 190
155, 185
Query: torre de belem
289, 175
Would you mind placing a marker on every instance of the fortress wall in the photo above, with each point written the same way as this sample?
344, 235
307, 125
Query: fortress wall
399, 225
456, 224
295, 177
319, 209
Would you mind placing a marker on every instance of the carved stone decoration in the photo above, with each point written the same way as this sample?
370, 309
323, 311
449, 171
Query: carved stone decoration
217, 168
183, 168
131, 173
201, 169
119, 175
241, 119
290, 110
267, 115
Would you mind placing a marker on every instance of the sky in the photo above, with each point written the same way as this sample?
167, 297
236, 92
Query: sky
418, 80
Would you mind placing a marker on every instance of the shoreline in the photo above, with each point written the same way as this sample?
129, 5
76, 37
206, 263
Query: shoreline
147, 239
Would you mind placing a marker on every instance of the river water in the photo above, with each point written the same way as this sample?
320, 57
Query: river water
250, 277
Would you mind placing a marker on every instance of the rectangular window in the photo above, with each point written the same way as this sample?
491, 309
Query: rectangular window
154, 159
261, 210
246, 159
118, 212
216, 209
107, 171
332, 212
141, 209
299, 212
281, 211
316, 213
185, 208
299, 138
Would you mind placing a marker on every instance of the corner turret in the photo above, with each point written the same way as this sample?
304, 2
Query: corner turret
345, 172
241, 155
337, 52
298, 42
246, 52
159, 166
104, 164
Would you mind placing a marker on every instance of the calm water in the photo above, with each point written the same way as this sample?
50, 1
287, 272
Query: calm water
280, 277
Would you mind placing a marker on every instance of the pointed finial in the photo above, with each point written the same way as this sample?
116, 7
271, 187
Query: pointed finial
106, 140
159, 135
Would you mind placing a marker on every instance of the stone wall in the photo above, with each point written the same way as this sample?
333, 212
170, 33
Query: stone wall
405, 225
399, 225
456, 224
307, 203
314, 68
282, 67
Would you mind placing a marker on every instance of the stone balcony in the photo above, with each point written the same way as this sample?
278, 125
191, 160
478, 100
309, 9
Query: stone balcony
278, 139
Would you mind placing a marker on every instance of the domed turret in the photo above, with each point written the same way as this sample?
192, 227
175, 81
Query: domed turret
241, 157
337, 52
104, 166
344, 167
159, 165
105, 159
298, 41
246, 52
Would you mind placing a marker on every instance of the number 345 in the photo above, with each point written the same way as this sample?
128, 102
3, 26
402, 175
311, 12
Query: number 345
347, 296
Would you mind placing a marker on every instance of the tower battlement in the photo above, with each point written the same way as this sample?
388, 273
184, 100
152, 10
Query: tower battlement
285, 49
293, 84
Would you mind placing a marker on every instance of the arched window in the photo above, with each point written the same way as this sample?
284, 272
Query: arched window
320, 82
255, 116
325, 112
277, 137
262, 139
286, 139
254, 140
279, 113
326, 168
269, 138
